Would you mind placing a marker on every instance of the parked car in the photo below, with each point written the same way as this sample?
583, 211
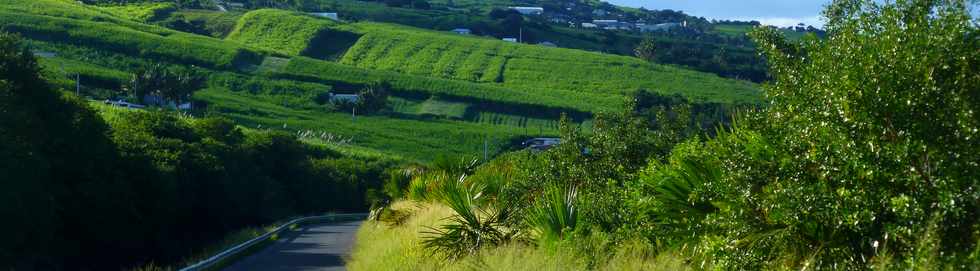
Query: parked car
121, 103
541, 144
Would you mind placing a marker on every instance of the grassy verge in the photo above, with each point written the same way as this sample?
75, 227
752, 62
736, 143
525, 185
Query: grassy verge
396, 245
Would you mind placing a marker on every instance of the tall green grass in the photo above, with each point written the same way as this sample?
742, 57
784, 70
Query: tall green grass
286, 32
530, 68
169, 46
143, 12
339, 74
385, 246
413, 139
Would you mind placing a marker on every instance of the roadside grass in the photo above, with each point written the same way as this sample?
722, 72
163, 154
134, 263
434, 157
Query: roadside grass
382, 247
387, 246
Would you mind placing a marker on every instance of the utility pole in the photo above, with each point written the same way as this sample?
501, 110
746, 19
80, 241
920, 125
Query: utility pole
520, 36
485, 149
353, 114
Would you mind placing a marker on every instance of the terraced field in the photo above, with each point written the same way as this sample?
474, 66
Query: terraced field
450, 93
529, 68
287, 33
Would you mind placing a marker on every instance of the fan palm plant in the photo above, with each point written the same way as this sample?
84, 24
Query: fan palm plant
471, 227
555, 215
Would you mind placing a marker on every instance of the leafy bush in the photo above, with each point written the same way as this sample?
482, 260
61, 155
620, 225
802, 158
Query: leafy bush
866, 156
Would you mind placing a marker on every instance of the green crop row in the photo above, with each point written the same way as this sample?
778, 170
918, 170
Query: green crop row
283, 31
143, 12
339, 74
177, 47
530, 68
413, 139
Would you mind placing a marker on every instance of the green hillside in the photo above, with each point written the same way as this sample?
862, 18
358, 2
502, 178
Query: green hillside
70, 23
529, 67
451, 95
534, 69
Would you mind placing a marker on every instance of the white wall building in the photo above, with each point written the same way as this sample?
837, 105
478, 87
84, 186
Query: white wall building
329, 15
529, 10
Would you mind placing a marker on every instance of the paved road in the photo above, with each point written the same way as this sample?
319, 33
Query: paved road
313, 247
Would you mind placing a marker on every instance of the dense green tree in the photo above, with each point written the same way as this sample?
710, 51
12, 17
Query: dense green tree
646, 50
83, 194
53, 148
164, 82
866, 155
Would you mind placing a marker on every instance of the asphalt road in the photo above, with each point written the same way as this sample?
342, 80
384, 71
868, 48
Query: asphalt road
313, 247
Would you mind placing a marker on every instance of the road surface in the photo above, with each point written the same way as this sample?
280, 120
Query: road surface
312, 247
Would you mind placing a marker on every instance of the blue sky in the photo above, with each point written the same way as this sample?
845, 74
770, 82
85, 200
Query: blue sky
775, 12
772, 12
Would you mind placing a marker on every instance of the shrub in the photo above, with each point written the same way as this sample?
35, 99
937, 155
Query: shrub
471, 227
555, 215
867, 150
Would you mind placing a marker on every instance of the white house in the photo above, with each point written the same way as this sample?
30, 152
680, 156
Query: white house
612, 24
548, 44
328, 15
529, 10
510, 39
462, 31
589, 25
657, 27
235, 5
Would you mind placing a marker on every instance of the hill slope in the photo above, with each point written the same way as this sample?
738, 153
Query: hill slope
529, 68
438, 106
285, 32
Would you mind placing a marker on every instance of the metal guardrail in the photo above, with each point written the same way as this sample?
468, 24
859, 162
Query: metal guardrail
236, 250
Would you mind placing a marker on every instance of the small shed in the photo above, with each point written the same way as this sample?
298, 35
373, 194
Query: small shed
510, 39
462, 31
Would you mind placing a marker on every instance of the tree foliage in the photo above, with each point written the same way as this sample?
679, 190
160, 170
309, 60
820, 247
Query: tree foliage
865, 156
167, 83
646, 50
83, 192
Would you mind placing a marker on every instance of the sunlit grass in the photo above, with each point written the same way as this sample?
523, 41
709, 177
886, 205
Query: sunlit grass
381, 246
